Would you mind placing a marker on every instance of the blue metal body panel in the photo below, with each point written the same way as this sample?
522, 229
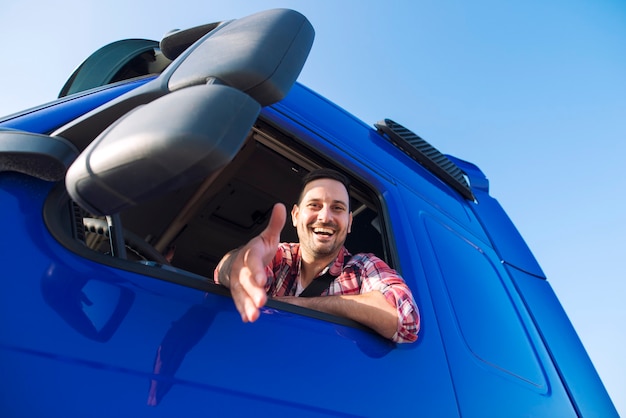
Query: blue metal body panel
494, 339
226, 367
47, 118
577, 371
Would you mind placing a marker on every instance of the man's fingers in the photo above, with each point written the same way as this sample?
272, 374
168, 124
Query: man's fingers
251, 312
248, 294
248, 277
247, 305
254, 262
239, 295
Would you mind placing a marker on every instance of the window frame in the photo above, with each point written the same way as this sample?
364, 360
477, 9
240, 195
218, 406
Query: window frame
59, 215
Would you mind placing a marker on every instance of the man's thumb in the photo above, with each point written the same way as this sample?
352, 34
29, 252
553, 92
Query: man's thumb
277, 220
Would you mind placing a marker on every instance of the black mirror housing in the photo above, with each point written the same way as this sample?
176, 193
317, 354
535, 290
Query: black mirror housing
168, 143
190, 121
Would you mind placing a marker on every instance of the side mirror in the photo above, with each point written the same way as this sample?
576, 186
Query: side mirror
191, 120
173, 141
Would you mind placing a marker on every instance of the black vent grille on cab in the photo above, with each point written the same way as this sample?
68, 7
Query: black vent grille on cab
425, 154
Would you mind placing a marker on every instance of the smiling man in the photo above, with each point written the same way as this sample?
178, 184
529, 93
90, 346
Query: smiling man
319, 272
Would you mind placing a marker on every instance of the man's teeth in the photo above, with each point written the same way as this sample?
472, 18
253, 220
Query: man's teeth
324, 231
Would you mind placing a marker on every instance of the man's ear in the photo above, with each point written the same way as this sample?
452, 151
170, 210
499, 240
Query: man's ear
294, 215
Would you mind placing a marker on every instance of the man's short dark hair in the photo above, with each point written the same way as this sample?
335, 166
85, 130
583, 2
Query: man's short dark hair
324, 173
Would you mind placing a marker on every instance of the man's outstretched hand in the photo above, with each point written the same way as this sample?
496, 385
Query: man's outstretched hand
247, 277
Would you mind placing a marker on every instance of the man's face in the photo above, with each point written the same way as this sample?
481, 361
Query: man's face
322, 218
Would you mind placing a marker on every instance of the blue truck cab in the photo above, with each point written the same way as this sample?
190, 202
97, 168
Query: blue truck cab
119, 199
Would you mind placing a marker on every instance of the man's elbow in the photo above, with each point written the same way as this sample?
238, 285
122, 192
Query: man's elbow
408, 330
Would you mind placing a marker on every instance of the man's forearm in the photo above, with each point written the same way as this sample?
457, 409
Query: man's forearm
370, 309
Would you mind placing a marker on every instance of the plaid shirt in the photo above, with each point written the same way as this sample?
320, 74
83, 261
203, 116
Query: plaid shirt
362, 273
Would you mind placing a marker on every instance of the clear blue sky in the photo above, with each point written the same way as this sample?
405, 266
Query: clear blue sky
534, 92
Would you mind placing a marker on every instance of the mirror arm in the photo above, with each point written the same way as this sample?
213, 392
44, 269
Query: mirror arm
116, 236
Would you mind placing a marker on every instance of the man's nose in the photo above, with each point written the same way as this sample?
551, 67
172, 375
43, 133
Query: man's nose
323, 215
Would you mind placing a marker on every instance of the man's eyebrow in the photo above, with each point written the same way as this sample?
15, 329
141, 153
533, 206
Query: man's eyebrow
318, 199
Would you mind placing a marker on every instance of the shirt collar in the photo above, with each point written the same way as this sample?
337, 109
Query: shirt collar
337, 266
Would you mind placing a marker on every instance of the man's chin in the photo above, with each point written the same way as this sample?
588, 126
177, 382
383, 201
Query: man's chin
325, 249
322, 247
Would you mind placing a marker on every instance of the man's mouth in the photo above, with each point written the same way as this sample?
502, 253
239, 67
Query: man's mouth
327, 232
